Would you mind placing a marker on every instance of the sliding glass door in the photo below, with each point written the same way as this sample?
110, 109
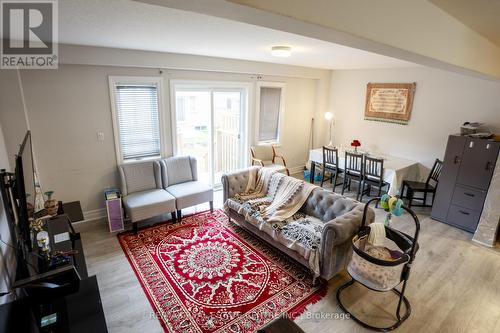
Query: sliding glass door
209, 123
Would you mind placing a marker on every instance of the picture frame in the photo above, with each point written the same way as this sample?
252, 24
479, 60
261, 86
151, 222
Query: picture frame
389, 102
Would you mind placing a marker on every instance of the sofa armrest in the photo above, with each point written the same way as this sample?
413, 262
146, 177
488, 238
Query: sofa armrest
236, 182
336, 238
344, 227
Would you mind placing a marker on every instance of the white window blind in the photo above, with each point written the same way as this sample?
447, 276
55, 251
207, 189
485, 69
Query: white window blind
138, 120
269, 114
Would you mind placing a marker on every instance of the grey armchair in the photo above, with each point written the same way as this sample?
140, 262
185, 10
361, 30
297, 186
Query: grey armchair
180, 179
143, 193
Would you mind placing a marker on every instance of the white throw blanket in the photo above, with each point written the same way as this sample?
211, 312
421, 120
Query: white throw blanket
276, 196
377, 234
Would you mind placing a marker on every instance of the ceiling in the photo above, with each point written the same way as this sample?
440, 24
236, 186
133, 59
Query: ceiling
482, 16
132, 25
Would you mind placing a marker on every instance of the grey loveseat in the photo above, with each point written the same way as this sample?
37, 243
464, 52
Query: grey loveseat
338, 219
153, 188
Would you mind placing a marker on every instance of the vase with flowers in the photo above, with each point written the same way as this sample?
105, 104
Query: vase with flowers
355, 143
51, 205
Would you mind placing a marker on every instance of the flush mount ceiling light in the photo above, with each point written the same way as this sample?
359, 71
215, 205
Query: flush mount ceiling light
281, 51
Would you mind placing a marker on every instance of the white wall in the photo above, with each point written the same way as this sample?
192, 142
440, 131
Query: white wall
442, 102
67, 107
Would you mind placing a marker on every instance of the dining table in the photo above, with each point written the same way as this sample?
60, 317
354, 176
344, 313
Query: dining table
396, 169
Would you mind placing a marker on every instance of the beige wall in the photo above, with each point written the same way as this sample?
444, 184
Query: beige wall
415, 28
68, 106
12, 116
443, 101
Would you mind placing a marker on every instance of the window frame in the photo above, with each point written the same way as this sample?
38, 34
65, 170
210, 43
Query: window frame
281, 112
139, 80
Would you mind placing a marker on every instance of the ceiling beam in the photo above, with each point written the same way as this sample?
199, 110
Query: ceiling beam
363, 24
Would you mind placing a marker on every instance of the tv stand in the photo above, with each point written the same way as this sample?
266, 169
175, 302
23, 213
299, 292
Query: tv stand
59, 227
74, 313
56, 299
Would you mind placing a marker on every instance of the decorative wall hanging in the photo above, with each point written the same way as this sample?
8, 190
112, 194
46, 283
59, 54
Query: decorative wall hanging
389, 102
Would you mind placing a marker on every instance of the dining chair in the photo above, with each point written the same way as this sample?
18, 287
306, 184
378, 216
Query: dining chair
265, 155
373, 175
429, 186
331, 165
353, 171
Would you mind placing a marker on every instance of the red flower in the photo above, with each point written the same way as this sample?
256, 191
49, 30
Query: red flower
355, 143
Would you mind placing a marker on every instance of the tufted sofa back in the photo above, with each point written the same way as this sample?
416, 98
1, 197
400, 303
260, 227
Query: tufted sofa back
322, 204
326, 205
236, 182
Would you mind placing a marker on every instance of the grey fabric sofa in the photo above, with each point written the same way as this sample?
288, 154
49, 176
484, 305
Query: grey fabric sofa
153, 188
340, 219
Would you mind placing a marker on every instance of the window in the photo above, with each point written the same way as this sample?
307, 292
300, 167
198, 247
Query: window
209, 122
136, 117
270, 111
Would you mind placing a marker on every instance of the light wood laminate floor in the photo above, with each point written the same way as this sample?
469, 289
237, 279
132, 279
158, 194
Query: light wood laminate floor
454, 286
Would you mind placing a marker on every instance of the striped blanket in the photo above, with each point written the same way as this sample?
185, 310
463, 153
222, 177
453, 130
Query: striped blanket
274, 196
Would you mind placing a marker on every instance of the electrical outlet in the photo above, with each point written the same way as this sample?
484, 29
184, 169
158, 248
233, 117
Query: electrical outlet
100, 136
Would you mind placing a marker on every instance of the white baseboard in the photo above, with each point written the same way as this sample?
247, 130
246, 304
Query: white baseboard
297, 169
91, 215
484, 244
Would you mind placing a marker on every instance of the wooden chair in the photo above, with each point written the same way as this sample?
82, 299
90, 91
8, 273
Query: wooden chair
266, 156
331, 165
353, 170
429, 186
373, 175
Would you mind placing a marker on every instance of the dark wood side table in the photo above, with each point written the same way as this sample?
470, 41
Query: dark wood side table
281, 325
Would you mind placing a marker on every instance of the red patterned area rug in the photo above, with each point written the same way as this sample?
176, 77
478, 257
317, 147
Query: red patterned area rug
205, 274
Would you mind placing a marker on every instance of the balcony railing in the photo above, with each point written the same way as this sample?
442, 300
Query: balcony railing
227, 142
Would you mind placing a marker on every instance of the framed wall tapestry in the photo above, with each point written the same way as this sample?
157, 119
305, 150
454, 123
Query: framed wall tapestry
389, 102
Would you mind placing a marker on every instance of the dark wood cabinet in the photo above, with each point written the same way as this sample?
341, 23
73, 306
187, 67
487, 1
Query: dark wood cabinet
467, 170
447, 180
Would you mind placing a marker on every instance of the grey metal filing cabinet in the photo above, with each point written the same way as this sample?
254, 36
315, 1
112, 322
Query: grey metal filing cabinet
467, 170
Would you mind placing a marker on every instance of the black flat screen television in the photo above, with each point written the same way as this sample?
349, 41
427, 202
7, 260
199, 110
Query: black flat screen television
25, 188
18, 198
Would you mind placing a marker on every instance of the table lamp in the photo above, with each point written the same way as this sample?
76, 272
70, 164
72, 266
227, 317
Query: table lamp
329, 118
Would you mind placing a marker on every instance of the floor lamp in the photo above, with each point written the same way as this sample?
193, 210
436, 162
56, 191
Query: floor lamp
329, 118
